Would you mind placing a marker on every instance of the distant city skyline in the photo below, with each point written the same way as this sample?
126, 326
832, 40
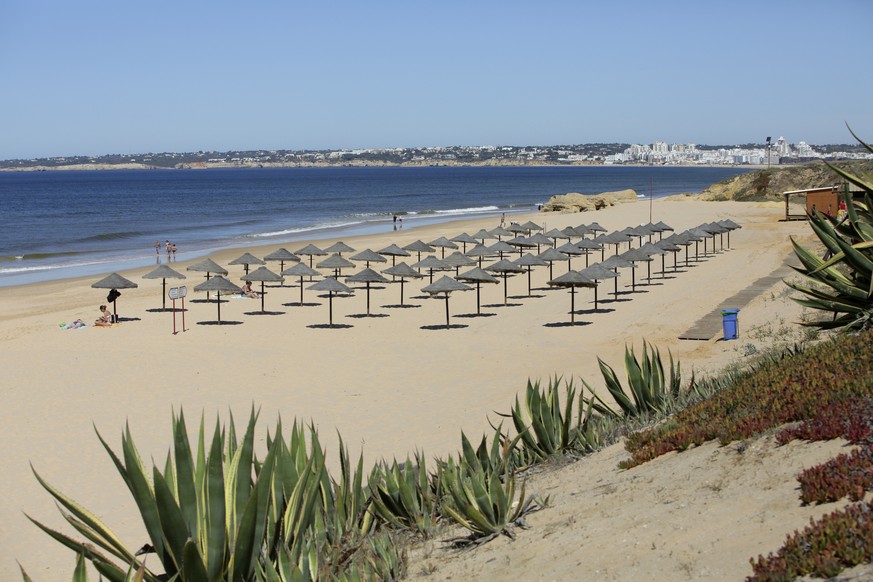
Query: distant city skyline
108, 77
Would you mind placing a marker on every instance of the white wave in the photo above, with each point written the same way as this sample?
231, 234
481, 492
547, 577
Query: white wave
302, 229
468, 210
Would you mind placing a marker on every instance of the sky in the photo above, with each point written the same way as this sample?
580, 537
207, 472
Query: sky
103, 77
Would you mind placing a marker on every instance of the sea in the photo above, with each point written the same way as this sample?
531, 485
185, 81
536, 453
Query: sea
62, 224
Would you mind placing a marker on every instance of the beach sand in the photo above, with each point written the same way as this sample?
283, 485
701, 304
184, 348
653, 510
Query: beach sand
389, 384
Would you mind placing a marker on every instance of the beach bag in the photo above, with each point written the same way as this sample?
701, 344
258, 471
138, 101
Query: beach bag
113, 295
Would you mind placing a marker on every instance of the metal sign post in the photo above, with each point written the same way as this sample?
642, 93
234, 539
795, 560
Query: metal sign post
178, 293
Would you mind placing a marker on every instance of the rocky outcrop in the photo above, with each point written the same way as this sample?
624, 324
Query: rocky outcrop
576, 202
769, 184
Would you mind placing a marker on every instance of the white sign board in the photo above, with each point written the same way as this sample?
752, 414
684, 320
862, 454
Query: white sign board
177, 292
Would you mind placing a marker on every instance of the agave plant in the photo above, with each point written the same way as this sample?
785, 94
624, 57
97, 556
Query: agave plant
649, 389
544, 426
481, 503
403, 495
843, 284
225, 515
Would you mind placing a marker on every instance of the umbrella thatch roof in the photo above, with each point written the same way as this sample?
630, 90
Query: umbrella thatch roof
652, 249
311, 250
431, 262
551, 254
456, 259
540, 239
464, 238
330, 284
479, 250
208, 266
572, 279
443, 242
262, 274
594, 227
580, 231
300, 270
402, 270
667, 245
418, 247
501, 247
367, 276
369, 256
393, 250
572, 249
500, 231
505, 266
598, 271
218, 283
662, 227
339, 247
114, 281
445, 285
617, 262
247, 259
477, 275
163, 272
530, 260
635, 256
530, 225
335, 261
281, 255
521, 241
481, 234
555, 233
729, 224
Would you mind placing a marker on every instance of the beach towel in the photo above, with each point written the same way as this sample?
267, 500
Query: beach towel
78, 324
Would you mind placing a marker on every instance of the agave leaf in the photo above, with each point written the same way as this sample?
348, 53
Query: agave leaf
111, 542
215, 518
613, 385
187, 494
172, 523
80, 574
193, 568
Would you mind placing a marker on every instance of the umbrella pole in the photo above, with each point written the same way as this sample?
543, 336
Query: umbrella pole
528, 280
505, 288
649, 271
663, 265
595, 296
262, 297
447, 311
368, 298
164, 293
572, 305
633, 279
402, 281
218, 303
301, 290
478, 302
330, 306
615, 280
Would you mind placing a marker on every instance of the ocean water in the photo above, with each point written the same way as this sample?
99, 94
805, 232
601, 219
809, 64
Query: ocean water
71, 223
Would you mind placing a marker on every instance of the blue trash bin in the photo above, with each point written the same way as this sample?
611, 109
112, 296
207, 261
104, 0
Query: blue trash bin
730, 324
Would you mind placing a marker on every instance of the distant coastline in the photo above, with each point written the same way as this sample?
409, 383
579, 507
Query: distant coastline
353, 164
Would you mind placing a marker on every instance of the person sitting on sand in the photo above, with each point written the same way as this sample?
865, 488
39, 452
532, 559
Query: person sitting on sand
105, 318
248, 291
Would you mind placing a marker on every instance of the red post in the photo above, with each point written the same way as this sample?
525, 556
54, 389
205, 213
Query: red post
174, 317
183, 314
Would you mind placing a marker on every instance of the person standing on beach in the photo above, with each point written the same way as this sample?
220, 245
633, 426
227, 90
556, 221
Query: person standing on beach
173, 250
157, 247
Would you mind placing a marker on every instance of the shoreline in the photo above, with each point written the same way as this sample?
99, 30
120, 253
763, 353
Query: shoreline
390, 383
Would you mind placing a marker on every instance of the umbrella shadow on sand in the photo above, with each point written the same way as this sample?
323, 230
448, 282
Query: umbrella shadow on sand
444, 326
398, 306
263, 313
592, 311
123, 319
222, 322
298, 304
568, 323
473, 315
165, 310
366, 315
499, 305
330, 326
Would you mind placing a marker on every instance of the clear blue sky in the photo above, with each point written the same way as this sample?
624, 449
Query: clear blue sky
101, 77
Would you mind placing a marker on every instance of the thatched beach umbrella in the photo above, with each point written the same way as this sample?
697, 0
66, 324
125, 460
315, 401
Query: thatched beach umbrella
481, 235
247, 259
367, 276
114, 281
730, 225
369, 256
573, 250
403, 271
477, 276
668, 246
504, 268
500, 232
597, 272
501, 247
418, 247
540, 239
458, 260
431, 263
555, 234
208, 266
531, 226
480, 251
573, 279
282, 255
262, 274
393, 251
635, 256
218, 284
337, 263
595, 228
445, 285
683, 239
339, 247
517, 229
551, 255
331, 285
653, 249
443, 243
529, 261
301, 270
464, 238
618, 262
311, 251
163, 273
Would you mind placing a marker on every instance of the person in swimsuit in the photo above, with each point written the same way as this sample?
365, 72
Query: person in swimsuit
105, 318
248, 291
